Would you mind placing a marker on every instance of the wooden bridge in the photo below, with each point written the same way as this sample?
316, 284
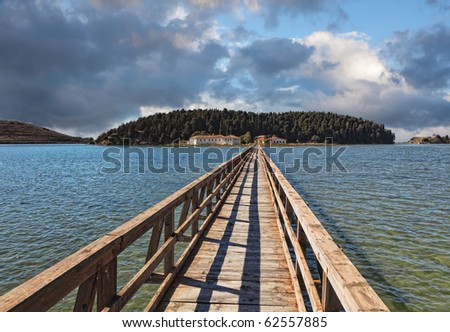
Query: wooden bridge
239, 238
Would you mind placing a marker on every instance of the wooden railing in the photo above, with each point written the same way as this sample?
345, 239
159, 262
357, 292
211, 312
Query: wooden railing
94, 269
339, 284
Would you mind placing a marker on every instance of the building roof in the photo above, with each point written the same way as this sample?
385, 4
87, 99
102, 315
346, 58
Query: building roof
214, 136
276, 137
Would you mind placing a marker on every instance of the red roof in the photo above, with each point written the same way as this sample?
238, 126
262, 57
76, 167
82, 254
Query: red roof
276, 137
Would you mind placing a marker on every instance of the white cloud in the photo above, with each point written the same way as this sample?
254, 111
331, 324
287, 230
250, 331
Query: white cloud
403, 135
193, 42
291, 89
253, 5
177, 13
344, 58
207, 101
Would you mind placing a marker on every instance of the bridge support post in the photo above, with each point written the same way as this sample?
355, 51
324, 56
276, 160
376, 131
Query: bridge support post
330, 301
107, 284
169, 261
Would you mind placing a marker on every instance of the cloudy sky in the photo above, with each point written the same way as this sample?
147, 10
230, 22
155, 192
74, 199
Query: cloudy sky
84, 66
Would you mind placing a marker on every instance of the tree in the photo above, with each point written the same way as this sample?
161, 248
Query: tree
246, 138
315, 139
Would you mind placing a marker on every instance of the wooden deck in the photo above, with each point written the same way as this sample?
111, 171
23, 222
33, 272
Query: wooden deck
239, 264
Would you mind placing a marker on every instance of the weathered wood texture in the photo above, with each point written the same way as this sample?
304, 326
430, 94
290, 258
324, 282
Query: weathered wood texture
239, 264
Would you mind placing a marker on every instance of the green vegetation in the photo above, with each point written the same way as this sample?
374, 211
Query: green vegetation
246, 138
296, 127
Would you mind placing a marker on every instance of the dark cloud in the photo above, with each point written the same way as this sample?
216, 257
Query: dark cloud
90, 64
92, 67
261, 71
271, 56
423, 57
439, 4
272, 9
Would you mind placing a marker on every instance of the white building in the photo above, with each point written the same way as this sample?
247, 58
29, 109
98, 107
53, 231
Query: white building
276, 140
214, 140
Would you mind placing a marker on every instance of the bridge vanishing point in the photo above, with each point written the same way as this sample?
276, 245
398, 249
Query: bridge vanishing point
239, 238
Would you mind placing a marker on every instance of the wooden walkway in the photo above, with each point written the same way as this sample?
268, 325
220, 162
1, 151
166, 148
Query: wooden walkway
239, 238
239, 264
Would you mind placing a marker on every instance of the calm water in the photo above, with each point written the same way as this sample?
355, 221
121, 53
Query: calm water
390, 213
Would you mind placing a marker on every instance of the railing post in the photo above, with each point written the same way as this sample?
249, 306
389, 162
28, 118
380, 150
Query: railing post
301, 236
107, 284
330, 301
218, 180
185, 209
154, 240
86, 295
169, 261
194, 206
209, 190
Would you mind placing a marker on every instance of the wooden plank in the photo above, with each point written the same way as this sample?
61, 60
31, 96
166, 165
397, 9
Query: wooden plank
214, 307
237, 286
193, 294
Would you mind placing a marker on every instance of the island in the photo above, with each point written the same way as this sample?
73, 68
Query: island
295, 127
435, 139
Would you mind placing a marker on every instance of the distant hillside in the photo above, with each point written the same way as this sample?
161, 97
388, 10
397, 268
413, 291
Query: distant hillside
15, 132
435, 139
296, 127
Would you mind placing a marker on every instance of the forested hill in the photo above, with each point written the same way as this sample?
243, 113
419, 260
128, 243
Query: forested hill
296, 127
15, 132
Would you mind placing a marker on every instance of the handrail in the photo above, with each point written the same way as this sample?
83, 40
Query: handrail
341, 285
93, 269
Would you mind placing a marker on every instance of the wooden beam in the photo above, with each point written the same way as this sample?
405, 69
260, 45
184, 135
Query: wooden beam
107, 284
329, 298
154, 240
168, 233
86, 295
185, 209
